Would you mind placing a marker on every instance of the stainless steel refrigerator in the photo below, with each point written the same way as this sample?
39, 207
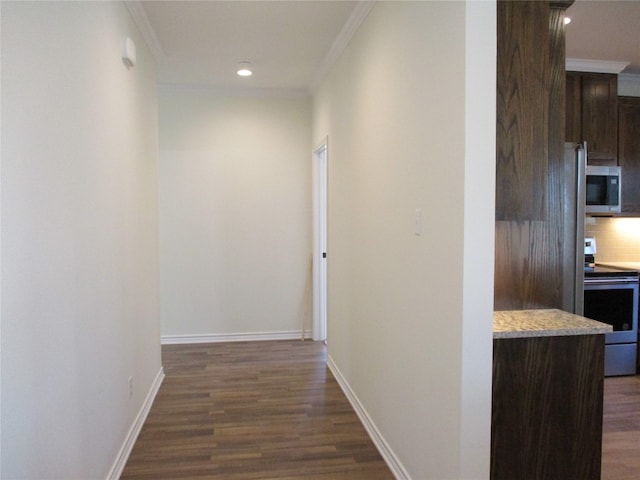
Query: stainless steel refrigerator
574, 204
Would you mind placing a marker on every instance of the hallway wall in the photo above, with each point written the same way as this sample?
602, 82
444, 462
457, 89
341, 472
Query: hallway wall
409, 112
235, 214
79, 242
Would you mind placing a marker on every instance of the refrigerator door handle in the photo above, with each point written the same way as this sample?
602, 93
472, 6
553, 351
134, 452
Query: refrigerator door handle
581, 164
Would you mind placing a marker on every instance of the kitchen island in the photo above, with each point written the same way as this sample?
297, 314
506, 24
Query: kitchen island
548, 380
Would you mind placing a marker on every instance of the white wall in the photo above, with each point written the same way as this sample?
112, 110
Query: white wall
409, 111
235, 214
79, 237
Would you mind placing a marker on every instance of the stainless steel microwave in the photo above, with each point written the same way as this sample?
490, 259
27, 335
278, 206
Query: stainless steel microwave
603, 189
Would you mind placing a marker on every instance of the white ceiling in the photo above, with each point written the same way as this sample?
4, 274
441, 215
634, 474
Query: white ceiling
292, 43
605, 30
287, 42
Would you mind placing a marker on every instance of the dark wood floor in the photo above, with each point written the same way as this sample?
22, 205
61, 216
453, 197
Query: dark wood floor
621, 429
255, 410
266, 410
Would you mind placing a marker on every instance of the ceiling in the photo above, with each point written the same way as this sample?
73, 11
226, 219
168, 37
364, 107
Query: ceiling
605, 30
287, 42
292, 43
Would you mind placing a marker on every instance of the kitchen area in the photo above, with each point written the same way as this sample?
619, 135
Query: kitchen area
606, 287
567, 251
603, 121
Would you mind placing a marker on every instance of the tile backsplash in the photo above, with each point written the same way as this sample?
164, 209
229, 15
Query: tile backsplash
617, 239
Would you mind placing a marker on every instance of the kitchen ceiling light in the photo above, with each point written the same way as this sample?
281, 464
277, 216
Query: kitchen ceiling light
244, 69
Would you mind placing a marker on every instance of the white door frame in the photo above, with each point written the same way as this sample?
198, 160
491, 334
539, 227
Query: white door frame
320, 202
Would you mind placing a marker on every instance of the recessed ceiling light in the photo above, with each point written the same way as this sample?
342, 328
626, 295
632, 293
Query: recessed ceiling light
244, 69
567, 20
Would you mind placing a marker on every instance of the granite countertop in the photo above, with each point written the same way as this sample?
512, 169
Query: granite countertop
544, 323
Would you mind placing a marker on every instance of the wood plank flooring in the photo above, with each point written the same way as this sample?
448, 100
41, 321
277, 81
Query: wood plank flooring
267, 410
621, 429
254, 410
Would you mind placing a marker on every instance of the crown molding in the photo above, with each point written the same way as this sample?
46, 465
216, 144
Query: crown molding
629, 77
629, 85
146, 30
594, 66
360, 12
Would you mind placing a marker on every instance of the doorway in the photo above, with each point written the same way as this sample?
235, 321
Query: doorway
320, 161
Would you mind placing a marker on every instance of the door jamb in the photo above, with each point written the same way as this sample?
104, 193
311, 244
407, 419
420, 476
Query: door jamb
320, 197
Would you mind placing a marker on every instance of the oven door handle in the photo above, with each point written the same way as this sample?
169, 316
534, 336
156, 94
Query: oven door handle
611, 281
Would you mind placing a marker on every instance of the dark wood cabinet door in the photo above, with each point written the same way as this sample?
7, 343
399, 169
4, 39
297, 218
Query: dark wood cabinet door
573, 111
600, 116
629, 152
591, 114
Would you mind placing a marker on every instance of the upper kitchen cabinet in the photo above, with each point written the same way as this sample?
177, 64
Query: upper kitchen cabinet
592, 114
629, 152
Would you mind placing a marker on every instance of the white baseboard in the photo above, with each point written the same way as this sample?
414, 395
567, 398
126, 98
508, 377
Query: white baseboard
385, 451
134, 431
232, 337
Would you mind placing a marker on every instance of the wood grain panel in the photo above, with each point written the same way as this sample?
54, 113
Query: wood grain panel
629, 153
256, 410
525, 275
560, 210
529, 249
522, 102
547, 408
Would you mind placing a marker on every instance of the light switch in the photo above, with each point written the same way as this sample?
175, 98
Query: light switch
128, 52
418, 221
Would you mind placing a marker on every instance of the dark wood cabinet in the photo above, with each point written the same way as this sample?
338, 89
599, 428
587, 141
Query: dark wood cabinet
592, 114
547, 407
629, 153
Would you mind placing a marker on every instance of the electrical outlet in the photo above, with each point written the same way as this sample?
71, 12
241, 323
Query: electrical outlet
130, 387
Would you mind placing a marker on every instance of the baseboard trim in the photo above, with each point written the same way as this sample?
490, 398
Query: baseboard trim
134, 431
376, 437
232, 337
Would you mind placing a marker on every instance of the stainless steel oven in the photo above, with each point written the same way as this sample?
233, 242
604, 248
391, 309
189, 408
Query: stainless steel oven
614, 300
